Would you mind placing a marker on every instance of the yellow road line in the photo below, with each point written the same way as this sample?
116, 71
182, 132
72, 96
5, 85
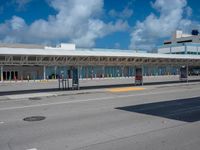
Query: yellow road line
125, 89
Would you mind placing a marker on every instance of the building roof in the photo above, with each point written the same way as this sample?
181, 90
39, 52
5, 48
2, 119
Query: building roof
19, 45
85, 52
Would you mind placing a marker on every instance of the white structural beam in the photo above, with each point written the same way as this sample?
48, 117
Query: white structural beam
103, 71
44, 72
55, 71
96, 60
187, 71
1, 73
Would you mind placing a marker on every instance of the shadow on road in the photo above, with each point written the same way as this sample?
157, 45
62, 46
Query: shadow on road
187, 110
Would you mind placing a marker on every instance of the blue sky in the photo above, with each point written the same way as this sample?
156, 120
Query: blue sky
124, 24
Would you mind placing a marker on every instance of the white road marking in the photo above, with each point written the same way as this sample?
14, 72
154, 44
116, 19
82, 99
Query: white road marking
18, 96
1, 122
87, 100
32, 149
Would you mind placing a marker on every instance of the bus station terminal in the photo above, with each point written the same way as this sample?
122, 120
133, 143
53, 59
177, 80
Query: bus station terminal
66, 63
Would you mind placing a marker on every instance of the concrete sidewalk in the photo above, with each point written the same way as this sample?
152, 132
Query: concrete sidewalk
39, 95
84, 83
36, 95
24, 90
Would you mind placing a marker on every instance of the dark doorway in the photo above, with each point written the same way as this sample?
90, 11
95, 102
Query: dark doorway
8, 75
4, 76
69, 74
12, 75
16, 75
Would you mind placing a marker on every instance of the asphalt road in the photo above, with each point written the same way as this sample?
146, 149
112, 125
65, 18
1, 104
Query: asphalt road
163, 117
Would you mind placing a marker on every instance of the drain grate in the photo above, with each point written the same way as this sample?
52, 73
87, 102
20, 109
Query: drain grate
34, 118
35, 98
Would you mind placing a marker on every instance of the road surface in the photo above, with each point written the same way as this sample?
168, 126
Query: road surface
159, 117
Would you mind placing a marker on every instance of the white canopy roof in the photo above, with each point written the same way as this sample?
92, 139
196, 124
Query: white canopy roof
25, 56
61, 52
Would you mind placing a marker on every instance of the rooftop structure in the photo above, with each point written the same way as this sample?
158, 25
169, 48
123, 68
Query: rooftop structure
18, 45
180, 37
62, 46
182, 44
183, 48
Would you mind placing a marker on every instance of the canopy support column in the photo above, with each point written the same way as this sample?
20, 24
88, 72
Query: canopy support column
80, 72
55, 71
103, 71
187, 71
1, 73
44, 72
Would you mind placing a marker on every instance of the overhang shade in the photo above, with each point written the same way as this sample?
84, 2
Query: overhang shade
48, 57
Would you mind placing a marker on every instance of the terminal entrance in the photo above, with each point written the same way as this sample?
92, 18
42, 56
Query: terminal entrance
10, 75
70, 76
14, 73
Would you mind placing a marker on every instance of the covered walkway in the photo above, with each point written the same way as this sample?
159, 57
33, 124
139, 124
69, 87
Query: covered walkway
34, 64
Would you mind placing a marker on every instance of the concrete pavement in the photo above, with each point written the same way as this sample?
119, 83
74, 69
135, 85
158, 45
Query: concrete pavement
9, 86
21, 90
158, 117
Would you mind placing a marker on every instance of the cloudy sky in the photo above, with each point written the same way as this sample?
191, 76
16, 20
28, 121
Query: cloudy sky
124, 24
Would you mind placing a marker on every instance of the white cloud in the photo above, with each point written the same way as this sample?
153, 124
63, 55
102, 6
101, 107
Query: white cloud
1, 9
117, 45
20, 4
188, 11
76, 21
98, 29
17, 23
146, 33
126, 13
12, 29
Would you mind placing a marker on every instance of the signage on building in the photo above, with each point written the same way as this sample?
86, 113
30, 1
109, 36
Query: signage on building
138, 76
75, 77
183, 73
